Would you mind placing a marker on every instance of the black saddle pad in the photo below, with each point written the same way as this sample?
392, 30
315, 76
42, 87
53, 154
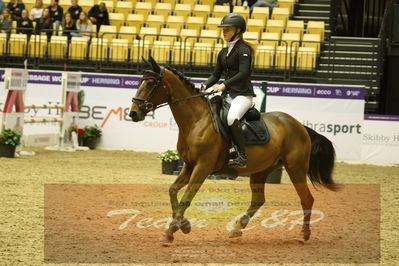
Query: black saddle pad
256, 132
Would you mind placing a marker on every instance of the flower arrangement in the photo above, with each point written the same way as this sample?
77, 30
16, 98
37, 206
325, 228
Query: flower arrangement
169, 156
10, 137
90, 132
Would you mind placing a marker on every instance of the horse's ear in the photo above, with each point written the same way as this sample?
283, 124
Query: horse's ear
145, 61
154, 64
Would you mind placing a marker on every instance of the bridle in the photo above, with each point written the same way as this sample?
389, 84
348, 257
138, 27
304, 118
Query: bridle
145, 105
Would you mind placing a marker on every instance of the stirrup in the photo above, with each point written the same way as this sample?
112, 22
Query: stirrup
239, 161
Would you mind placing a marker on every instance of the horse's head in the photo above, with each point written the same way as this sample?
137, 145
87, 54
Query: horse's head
151, 92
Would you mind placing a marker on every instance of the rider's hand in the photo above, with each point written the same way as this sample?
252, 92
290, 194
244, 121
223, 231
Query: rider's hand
202, 87
219, 88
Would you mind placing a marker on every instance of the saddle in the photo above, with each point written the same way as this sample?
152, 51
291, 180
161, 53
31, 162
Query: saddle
256, 132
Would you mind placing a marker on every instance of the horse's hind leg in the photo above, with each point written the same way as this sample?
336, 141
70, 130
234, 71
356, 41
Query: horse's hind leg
257, 184
297, 167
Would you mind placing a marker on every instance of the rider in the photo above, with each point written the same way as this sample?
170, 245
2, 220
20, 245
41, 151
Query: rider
235, 62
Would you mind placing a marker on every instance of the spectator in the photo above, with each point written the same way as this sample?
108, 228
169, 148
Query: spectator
37, 11
83, 26
6, 22
98, 15
56, 14
75, 10
16, 7
68, 25
1, 6
45, 26
265, 3
24, 24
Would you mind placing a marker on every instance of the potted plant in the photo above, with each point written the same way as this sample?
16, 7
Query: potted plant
170, 159
9, 140
90, 135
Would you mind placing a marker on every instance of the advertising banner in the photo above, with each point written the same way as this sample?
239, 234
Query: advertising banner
380, 139
334, 111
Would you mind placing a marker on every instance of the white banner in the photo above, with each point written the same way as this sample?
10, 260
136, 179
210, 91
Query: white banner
380, 139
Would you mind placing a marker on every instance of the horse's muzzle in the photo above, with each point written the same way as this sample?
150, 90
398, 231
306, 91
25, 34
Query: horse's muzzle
133, 115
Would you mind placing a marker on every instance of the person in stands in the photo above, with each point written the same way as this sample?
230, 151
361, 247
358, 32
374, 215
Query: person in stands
16, 7
75, 10
24, 24
45, 26
37, 11
56, 14
98, 15
84, 26
6, 22
68, 25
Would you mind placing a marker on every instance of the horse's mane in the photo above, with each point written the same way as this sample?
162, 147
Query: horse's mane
186, 81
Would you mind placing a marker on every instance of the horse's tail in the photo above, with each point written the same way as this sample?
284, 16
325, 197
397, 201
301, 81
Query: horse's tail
322, 158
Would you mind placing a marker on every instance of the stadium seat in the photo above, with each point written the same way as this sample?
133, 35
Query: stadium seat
164, 9
189, 33
201, 11
212, 23
139, 49
265, 56
108, 4
155, 21
217, 48
160, 51
78, 48
295, 26
135, 20
126, 32
261, 13
257, 25
176, 22
275, 26
220, 11
143, 8
37, 45
57, 47
148, 33
85, 5
311, 40
280, 13
17, 44
3, 42
306, 58
208, 36
242, 10
202, 53
181, 53
316, 27
252, 36
287, 4
206, 2
98, 49
284, 57
183, 10
195, 23
46, 2
117, 19
119, 50
291, 39
107, 32
270, 39
29, 4
168, 31
191, 3
123, 7
172, 2
153, 2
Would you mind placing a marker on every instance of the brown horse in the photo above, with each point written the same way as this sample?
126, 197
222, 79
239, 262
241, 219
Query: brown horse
301, 150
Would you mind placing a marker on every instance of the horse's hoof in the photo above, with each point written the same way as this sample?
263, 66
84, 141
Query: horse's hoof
306, 234
235, 234
185, 226
168, 238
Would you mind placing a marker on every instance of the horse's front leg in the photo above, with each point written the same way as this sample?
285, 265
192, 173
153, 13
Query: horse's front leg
179, 183
198, 176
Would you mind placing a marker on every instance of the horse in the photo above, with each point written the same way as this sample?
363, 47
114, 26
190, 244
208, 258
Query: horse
301, 150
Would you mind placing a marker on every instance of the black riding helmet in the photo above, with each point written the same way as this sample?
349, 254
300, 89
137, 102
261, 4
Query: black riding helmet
235, 20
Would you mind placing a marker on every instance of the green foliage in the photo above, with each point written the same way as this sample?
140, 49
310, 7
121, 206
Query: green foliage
92, 132
169, 156
81, 98
10, 137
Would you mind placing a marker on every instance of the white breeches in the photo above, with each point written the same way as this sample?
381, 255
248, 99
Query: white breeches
239, 106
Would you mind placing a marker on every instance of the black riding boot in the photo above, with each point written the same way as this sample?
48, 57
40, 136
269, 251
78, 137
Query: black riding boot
237, 135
